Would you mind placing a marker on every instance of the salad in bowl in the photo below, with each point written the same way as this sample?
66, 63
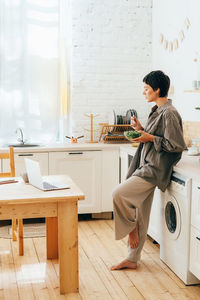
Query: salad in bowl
132, 134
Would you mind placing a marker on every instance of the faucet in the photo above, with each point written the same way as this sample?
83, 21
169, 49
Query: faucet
21, 135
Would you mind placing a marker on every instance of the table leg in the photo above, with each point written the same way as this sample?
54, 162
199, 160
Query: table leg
20, 237
68, 246
52, 237
14, 229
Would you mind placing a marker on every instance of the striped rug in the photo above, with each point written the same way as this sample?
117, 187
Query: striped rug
30, 230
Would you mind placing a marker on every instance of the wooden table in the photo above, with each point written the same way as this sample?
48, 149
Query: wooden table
20, 200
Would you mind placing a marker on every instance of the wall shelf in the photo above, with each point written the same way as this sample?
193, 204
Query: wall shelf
192, 91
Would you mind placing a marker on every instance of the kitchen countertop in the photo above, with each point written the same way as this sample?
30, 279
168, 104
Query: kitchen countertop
188, 165
65, 147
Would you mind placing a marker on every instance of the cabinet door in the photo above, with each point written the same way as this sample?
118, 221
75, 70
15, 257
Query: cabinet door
20, 164
123, 165
84, 167
195, 216
195, 252
126, 157
110, 177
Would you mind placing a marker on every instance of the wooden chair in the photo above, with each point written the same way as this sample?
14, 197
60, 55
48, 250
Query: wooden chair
10, 155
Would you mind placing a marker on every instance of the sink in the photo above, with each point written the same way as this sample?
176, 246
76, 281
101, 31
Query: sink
23, 145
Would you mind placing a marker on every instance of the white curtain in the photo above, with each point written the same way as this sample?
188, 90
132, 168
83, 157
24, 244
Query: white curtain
30, 88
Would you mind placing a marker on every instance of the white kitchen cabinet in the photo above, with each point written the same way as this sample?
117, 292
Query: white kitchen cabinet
110, 178
195, 251
195, 230
195, 215
126, 156
85, 169
123, 165
20, 164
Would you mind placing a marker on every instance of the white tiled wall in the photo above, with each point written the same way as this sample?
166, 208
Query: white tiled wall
111, 53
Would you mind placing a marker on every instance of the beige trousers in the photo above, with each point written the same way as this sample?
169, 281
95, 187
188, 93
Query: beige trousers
132, 201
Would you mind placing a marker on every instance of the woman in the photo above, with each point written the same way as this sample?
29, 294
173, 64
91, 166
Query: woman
161, 146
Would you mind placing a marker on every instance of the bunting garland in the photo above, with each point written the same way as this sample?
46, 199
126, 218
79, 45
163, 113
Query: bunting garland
173, 44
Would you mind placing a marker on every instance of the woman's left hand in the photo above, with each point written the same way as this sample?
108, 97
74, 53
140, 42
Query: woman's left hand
144, 138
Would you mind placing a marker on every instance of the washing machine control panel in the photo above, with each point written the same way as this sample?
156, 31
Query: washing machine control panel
178, 178
179, 183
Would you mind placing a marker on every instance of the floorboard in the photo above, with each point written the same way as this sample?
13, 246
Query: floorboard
32, 277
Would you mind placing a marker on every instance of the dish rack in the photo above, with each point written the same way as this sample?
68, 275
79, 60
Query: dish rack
114, 133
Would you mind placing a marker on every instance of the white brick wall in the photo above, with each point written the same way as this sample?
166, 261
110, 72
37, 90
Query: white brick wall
111, 53
178, 64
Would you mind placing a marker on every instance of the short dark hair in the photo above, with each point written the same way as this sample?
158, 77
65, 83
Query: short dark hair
158, 80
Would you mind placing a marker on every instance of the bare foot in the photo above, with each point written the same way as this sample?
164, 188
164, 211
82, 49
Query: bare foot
125, 264
134, 237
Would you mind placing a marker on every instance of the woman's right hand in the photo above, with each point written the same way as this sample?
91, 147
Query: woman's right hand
136, 123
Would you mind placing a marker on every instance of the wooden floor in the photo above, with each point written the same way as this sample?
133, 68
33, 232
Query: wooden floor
32, 277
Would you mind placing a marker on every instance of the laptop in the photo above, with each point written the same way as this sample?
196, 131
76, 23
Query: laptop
35, 177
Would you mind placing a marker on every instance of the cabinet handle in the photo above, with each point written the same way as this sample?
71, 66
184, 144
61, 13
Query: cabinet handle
72, 153
197, 238
25, 154
198, 187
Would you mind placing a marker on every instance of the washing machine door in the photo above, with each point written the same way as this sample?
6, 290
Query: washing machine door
172, 217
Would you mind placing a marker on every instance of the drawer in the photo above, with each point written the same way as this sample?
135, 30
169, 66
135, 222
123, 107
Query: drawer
20, 164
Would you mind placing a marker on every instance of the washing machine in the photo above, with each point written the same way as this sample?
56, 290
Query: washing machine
175, 231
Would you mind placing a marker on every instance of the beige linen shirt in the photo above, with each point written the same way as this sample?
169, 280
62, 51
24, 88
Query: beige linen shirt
154, 161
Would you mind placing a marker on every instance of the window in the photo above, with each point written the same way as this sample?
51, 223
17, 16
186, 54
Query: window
30, 69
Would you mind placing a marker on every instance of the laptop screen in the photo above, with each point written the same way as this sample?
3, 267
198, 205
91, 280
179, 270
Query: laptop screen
34, 173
